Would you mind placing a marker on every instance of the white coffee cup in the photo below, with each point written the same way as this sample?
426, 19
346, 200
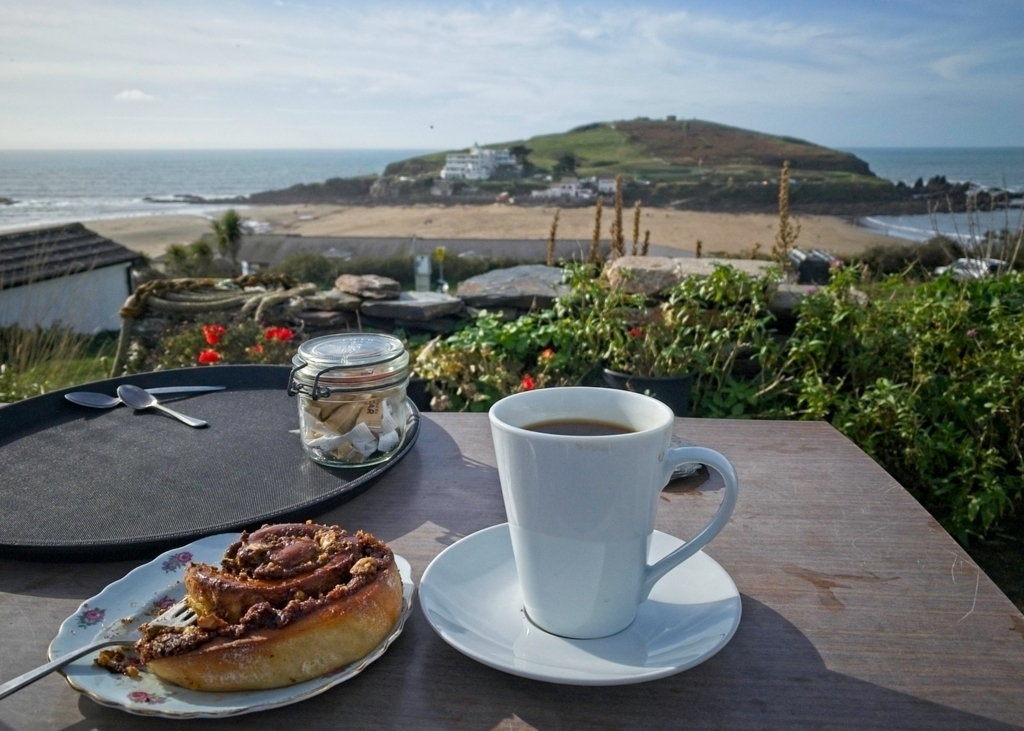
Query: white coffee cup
581, 509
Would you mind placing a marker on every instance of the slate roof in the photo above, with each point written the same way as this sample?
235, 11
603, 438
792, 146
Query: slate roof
47, 253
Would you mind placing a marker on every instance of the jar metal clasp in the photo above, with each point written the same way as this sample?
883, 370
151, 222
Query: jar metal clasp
316, 391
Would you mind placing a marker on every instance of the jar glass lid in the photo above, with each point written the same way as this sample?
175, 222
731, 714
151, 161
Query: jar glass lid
348, 361
349, 350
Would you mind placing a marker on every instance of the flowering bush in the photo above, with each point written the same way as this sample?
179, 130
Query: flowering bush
475, 367
703, 325
213, 343
213, 333
928, 378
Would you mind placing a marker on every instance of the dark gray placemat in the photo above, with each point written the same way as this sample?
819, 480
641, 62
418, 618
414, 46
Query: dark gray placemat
87, 484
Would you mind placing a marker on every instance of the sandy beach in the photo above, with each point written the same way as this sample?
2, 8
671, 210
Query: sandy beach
719, 232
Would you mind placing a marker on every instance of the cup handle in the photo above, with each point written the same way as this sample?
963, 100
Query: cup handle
673, 458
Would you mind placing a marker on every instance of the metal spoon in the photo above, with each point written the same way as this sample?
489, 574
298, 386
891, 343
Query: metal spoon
103, 401
139, 399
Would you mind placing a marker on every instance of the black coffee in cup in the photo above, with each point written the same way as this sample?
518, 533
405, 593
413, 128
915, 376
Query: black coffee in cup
579, 428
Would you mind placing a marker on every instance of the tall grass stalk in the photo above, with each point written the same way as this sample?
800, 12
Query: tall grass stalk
551, 238
35, 361
789, 228
636, 227
618, 240
595, 243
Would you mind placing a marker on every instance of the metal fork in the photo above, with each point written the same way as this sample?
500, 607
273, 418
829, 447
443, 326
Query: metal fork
177, 615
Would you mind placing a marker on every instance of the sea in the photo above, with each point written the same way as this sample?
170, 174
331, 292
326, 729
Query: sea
52, 187
986, 167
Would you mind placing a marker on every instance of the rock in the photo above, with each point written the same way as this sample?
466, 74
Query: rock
643, 274
788, 296
442, 325
414, 306
652, 274
325, 319
333, 300
530, 286
369, 286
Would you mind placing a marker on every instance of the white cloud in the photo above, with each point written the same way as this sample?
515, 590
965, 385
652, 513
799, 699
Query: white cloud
957, 66
385, 73
133, 95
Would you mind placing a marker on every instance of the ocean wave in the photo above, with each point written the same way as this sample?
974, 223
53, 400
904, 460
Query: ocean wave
63, 213
962, 227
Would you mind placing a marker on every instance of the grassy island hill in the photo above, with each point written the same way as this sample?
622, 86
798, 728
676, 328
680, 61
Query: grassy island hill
687, 164
694, 162
663, 148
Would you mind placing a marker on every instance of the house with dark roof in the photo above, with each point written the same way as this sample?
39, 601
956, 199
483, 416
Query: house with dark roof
65, 274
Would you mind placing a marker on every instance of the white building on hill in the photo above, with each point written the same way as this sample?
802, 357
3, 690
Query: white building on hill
477, 164
566, 188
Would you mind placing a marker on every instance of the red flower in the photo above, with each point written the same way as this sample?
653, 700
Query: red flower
284, 334
213, 333
636, 332
257, 348
528, 383
208, 356
547, 354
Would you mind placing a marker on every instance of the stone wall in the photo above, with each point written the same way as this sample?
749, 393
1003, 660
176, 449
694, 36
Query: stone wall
358, 301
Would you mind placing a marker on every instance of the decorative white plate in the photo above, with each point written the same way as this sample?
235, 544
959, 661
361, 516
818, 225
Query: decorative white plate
120, 608
470, 595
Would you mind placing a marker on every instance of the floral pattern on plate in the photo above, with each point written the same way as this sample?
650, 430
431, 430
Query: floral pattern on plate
121, 607
141, 696
176, 561
89, 617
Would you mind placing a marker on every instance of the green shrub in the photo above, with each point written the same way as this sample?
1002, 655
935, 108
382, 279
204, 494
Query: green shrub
196, 260
916, 260
314, 268
705, 325
928, 378
929, 381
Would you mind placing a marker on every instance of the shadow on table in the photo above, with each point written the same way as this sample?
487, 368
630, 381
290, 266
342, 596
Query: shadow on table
404, 499
457, 502
436, 483
768, 677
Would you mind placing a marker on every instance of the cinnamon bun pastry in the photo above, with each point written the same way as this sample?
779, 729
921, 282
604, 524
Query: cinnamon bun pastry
288, 603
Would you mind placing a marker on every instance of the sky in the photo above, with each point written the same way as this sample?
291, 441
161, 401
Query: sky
243, 74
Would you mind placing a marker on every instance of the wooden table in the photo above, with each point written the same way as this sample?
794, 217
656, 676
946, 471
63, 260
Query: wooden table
859, 611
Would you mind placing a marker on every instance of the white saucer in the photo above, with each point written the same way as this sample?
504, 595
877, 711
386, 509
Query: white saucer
118, 610
470, 595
